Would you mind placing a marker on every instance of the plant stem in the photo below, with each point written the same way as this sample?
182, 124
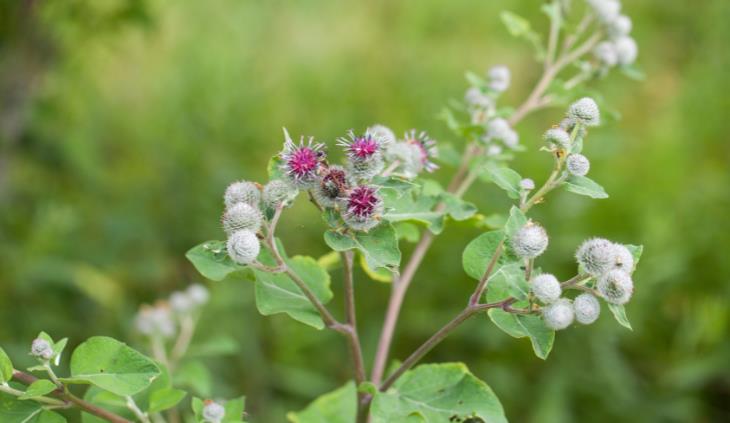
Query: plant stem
45, 400
352, 337
482, 286
439, 336
553, 38
132, 406
187, 329
28, 379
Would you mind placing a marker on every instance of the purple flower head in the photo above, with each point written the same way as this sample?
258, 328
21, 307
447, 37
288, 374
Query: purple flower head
426, 145
362, 207
301, 162
332, 186
361, 148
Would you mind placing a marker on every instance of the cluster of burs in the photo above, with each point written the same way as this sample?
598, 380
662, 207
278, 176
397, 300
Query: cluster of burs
351, 189
162, 319
619, 49
604, 267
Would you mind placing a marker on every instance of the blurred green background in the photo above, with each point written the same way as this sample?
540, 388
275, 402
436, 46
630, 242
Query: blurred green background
122, 121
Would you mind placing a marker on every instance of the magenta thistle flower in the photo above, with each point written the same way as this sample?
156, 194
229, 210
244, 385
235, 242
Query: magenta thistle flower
332, 186
362, 207
426, 145
301, 162
364, 154
361, 148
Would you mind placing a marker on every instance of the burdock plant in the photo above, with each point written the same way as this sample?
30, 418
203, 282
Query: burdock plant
370, 204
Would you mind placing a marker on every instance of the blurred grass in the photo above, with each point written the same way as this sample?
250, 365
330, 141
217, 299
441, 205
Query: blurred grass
123, 121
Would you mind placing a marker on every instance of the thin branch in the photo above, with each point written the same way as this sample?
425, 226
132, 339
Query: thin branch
439, 336
28, 379
187, 329
132, 406
482, 286
352, 337
553, 38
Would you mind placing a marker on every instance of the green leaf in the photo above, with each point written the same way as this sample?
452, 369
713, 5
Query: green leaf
457, 208
379, 275
584, 186
38, 388
277, 293
338, 406
636, 251
619, 313
407, 231
515, 222
211, 260
379, 246
273, 168
164, 399
437, 393
194, 375
6, 367
13, 410
479, 252
414, 208
112, 366
512, 277
520, 27
520, 326
505, 178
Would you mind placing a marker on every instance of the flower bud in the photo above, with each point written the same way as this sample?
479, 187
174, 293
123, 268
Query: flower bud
243, 247
585, 111
620, 26
181, 303
213, 412
606, 53
499, 78
332, 186
568, 125
558, 315
364, 154
155, 320
475, 98
578, 164
426, 147
606, 10
527, 184
623, 259
616, 287
596, 256
383, 133
361, 208
242, 192
42, 349
493, 150
530, 241
198, 294
587, 308
301, 162
546, 288
241, 216
278, 192
626, 50
558, 137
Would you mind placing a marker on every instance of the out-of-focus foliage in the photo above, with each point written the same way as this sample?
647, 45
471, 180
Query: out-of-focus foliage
122, 122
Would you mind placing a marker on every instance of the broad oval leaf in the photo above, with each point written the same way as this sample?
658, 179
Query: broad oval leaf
38, 388
164, 399
619, 313
277, 293
505, 178
379, 246
479, 252
211, 260
112, 365
6, 367
338, 406
585, 186
520, 326
437, 393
